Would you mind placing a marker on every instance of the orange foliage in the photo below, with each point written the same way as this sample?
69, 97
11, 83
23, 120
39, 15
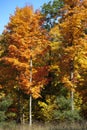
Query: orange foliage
27, 39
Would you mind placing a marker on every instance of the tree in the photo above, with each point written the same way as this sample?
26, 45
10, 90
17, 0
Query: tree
51, 13
63, 112
73, 37
27, 42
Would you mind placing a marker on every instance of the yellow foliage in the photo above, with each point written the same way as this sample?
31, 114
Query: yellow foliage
47, 108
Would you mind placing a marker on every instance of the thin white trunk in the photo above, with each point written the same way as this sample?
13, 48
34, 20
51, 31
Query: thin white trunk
72, 100
30, 104
23, 118
72, 94
30, 112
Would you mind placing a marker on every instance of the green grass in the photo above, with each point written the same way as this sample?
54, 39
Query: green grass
61, 126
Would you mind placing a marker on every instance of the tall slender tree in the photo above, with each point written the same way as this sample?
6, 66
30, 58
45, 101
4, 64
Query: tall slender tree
72, 28
27, 42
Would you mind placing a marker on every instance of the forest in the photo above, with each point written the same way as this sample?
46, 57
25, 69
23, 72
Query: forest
43, 64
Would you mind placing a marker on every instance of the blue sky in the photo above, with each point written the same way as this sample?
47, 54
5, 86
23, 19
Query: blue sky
7, 7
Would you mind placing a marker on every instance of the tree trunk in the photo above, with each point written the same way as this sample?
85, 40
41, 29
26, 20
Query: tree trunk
72, 100
30, 112
72, 93
30, 101
18, 113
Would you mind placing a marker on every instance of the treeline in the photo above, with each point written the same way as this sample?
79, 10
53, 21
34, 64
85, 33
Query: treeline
43, 63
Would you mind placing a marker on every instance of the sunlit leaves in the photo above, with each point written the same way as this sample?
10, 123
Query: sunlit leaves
26, 39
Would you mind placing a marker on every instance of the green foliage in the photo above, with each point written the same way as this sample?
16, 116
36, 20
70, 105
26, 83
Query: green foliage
4, 105
63, 111
67, 116
52, 7
2, 115
51, 12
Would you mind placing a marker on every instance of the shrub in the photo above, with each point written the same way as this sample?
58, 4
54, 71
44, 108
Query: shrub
4, 105
63, 111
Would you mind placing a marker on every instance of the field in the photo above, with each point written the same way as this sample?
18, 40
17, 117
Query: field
61, 126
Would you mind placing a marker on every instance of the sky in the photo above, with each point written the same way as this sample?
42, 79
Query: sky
7, 7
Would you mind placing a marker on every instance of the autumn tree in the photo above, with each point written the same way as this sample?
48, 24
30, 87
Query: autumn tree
72, 28
69, 41
27, 49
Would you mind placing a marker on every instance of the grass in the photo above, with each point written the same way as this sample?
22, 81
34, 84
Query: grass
61, 126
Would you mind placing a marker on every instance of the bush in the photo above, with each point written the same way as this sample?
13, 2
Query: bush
63, 111
4, 105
